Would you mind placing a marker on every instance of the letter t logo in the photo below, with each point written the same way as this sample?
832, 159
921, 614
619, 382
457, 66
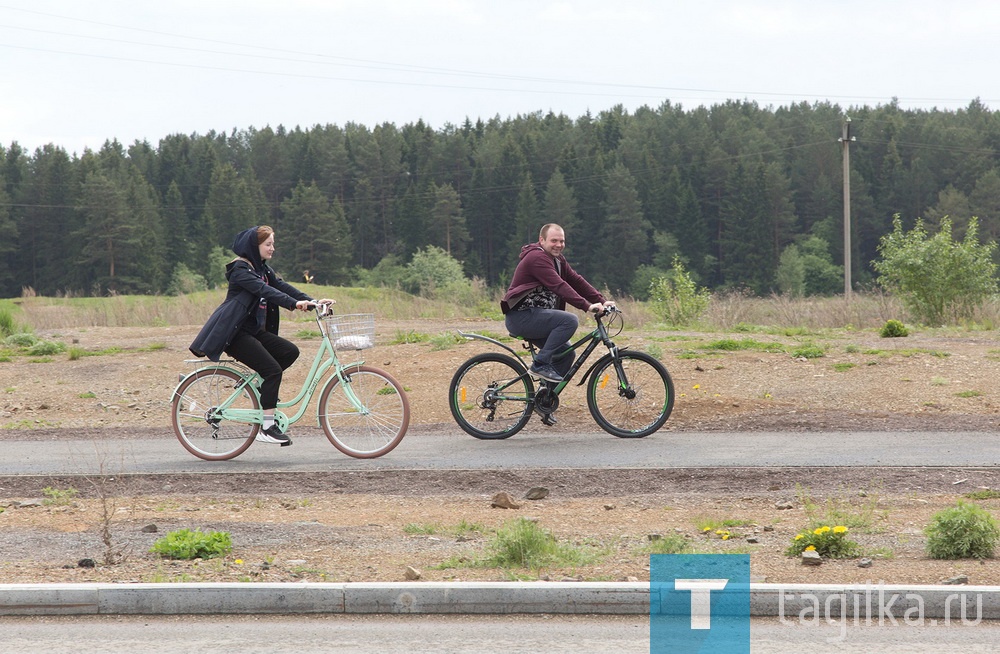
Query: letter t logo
701, 599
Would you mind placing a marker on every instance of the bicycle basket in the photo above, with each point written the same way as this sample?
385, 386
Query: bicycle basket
351, 331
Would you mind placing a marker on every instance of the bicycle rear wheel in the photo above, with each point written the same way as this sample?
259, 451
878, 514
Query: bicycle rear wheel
635, 405
378, 426
193, 414
491, 396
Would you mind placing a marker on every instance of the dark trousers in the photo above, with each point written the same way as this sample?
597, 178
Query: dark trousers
269, 355
549, 329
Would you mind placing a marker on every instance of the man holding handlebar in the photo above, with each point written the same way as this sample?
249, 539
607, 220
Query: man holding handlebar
534, 306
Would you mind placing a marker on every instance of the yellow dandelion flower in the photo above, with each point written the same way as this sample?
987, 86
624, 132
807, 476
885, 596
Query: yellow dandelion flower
840, 529
799, 536
811, 548
706, 529
818, 531
824, 529
725, 536
696, 386
238, 561
720, 531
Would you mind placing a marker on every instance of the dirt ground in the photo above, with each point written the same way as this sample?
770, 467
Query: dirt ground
369, 526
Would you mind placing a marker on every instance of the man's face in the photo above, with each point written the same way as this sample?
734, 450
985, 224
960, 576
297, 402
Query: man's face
554, 241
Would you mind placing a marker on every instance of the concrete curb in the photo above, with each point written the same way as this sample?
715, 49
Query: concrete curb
871, 602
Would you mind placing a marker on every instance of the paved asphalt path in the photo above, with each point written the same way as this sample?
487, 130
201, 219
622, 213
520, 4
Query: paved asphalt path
455, 450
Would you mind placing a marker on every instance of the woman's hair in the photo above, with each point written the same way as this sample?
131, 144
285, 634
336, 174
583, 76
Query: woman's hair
263, 233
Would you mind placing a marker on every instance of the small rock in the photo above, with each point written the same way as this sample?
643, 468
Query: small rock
784, 506
865, 563
609, 507
537, 493
296, 562
150, 529
654, 537
29, 504
630, 578
753, 540
86, 563
774, 487
412, 574
956, 581
768, 527
503, 500
811, 557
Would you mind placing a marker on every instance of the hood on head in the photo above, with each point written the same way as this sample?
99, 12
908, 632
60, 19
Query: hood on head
245, 245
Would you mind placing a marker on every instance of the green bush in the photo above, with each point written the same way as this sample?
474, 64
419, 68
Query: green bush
964, 531
893, 329
188, 544
676, 298
938, 279
184, 281
23, 340
7, 324
523, 544
46, 348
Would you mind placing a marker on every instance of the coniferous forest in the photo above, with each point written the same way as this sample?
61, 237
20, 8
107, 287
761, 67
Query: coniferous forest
729, 189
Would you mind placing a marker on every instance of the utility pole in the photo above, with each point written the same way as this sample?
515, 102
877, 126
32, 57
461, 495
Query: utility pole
846, 140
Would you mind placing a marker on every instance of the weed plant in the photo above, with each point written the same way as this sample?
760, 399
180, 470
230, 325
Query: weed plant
187, 544
964, 531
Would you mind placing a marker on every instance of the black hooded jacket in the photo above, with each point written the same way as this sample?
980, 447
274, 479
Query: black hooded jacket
250, 281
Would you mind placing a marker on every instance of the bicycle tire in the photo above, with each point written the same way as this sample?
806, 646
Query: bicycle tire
477, 410
635, 410
198, 431
370, 433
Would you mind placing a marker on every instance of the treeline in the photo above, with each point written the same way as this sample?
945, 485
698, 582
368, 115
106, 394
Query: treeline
727, 189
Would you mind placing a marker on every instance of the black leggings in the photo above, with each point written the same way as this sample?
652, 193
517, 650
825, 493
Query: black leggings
269, 355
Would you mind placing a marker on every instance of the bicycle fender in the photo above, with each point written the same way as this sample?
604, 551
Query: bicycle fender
471, 335
213, 366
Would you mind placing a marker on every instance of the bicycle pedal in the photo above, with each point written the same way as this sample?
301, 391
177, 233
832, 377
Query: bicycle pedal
549, 420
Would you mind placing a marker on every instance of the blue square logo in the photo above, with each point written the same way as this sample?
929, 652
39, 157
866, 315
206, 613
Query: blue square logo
699, 603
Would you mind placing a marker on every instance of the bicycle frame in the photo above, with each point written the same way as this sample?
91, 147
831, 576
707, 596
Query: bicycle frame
598, 336
326, 357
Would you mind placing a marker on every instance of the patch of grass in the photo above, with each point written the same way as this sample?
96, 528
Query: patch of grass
386, 390
654, 350
969, 393
860, 512
670, 544
983, 494
186, 544
843, 367
308, 334
808, 351
59, 496
410, 336
523, 544
445, 341
153, 347
89, 395
939, 381
733, 345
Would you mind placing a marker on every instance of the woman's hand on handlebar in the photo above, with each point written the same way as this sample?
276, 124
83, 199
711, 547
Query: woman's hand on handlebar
308, 305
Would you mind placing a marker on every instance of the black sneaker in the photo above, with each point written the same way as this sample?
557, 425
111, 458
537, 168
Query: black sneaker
273, 435
546, 372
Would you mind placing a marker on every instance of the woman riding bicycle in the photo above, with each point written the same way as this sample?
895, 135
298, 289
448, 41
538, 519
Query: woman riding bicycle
245, 325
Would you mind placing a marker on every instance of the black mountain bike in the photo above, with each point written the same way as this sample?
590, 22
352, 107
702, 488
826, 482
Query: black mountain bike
630, 394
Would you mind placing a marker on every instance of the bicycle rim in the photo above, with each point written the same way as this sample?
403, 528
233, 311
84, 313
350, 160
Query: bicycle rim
490, 396
195, 425
636, 409
374, 429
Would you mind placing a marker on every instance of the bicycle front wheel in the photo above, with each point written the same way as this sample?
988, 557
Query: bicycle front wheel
491, 396
376, 424
196, 422
631, 402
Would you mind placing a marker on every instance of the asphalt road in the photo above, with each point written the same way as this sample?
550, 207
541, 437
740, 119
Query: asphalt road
438, 634
455, 450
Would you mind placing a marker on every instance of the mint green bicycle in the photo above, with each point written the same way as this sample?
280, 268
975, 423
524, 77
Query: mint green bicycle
364, 412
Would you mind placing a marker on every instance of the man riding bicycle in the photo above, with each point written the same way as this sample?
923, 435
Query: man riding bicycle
534, 305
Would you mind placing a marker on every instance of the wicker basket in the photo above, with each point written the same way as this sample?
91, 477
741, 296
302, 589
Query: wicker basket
353, 331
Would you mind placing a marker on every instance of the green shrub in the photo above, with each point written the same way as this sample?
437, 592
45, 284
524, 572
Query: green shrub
807, 351
46, 348
964, 531
893, 329
676, 298
7, 325
23, 340
523, 544
187, 544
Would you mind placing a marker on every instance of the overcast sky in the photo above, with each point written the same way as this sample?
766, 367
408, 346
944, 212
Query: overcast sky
79, 72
